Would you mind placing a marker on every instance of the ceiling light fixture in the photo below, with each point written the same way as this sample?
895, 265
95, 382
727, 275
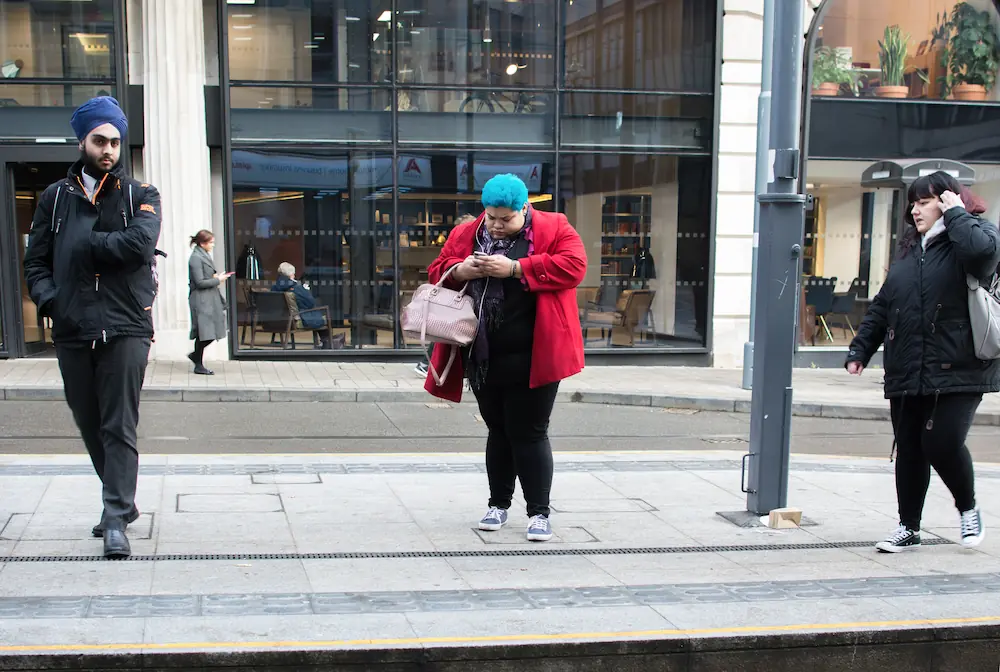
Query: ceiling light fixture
374, 36
385, 17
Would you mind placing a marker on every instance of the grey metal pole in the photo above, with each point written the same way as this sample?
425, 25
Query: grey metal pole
763, 134
782, 217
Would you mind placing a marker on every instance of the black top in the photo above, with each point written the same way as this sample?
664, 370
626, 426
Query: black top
921, 313
510, 344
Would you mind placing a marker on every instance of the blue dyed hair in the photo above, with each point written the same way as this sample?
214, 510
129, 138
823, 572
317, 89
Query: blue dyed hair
505, 191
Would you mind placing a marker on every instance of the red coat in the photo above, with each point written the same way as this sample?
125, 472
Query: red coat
553, 272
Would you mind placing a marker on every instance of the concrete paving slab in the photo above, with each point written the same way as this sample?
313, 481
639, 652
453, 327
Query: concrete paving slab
21, 579
329, 576
347, 629
524, 624
228, 576
843, 614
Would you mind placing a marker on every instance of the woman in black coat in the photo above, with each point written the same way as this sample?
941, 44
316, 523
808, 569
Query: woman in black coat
933, 379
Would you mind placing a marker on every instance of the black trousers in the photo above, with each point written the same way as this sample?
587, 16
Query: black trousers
102, 384
932, 433
518, 445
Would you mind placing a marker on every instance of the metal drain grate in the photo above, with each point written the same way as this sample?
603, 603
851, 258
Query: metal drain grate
513, 552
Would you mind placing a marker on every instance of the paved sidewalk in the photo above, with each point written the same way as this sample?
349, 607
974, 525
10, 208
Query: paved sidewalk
353, 553
818, 392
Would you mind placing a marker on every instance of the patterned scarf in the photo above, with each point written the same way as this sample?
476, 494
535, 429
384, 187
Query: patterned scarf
488, 293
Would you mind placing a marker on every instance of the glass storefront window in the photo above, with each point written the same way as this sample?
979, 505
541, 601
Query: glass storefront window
291, 114
637, 120
487, 43
65, 40
645, 221
850, 241
645, 45
481, 118
937, 41
330, 216
318, 41
444, 95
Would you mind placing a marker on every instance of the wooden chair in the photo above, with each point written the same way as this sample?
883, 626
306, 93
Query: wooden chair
296, 315
630, 312
278, 314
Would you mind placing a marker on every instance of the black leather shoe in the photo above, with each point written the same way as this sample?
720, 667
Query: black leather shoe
116, 544
98, 530
202, 371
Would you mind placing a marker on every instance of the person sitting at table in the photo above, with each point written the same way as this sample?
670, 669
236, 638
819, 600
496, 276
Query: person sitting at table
304, 301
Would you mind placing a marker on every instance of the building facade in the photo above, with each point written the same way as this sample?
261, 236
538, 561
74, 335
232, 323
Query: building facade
346, 137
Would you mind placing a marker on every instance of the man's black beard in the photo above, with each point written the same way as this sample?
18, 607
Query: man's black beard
92, 167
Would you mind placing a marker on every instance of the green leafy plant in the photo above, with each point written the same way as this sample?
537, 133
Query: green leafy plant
941, 30
830, 67
972, 50
892, 50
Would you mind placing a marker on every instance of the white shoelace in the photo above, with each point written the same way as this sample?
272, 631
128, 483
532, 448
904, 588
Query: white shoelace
970, 523
901, 534
495, 513
539, 523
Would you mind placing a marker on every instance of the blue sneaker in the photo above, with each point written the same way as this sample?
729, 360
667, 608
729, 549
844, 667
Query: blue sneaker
494, 519
539, 529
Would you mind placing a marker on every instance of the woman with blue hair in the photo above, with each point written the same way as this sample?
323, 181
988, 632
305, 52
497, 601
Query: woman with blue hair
522, 267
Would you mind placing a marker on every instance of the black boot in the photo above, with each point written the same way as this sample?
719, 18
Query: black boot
116, 543
202, 371
98, 530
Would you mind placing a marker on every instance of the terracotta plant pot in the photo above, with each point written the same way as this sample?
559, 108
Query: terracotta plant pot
891, 91
969, 92
826, 89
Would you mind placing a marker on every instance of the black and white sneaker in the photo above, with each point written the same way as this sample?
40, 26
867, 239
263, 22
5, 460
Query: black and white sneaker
899, 540
973, 530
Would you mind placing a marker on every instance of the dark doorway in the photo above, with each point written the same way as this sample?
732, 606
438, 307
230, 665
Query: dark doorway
23, 332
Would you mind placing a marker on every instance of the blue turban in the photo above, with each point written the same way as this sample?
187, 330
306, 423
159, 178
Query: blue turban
97, 112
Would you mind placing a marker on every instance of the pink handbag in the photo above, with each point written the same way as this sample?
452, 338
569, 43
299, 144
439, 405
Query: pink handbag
437, 314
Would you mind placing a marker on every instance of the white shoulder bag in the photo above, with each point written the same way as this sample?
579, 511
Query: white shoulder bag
984, 314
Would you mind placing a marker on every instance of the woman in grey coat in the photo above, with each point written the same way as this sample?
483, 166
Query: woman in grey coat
208, 310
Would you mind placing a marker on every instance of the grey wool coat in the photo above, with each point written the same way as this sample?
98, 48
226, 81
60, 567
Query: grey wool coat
208, 309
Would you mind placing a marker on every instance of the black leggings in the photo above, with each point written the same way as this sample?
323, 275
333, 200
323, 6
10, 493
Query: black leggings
931, 432
199, 351
518, 445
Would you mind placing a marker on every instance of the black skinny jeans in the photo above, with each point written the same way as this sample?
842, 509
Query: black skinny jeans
518, 445
941, 446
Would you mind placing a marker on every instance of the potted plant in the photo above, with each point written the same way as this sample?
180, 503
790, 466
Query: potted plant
972, 53
829, 72
892, 50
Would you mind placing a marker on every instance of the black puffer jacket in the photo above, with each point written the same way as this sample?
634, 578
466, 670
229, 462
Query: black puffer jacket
89, 261
921, 313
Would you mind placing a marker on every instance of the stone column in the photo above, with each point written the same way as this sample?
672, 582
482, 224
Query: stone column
175, 157
742, 26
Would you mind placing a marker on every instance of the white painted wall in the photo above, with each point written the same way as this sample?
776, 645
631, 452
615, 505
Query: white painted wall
742, 45
842, 238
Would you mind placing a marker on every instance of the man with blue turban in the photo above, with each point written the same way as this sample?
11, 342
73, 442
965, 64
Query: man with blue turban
90, 267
